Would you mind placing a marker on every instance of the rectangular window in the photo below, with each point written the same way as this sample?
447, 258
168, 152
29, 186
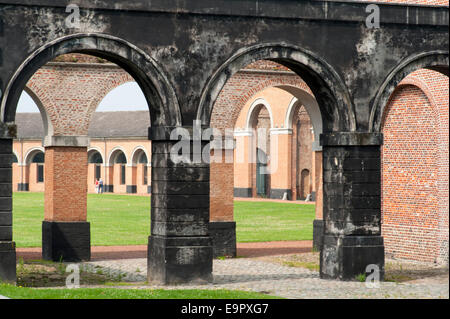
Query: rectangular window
123, 175
40, 173
145, 170
98, 171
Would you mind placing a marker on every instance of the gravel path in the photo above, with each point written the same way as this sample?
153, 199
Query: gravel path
276, 279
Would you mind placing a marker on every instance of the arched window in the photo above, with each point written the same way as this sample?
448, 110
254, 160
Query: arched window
120, 158
38, 158
14, 159
95, 158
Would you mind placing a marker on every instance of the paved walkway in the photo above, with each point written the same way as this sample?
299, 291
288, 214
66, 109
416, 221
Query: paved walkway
140, 251
275, 279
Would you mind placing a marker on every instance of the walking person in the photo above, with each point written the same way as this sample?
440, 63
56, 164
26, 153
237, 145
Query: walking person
96, 186
100, 186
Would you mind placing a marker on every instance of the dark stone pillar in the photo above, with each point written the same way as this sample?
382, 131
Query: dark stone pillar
317, 234
180, 248
351, 205
7, 246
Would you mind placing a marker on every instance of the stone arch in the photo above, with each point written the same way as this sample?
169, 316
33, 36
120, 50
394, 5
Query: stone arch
436, 60
137, 152
114, 153
325, 83
159, 93
253, 111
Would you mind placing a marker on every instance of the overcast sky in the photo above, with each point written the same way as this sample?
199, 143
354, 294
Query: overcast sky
127, 97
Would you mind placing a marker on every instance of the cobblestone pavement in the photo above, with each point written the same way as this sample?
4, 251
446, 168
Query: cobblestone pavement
275, 279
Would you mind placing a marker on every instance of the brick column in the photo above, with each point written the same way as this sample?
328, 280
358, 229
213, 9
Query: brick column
180, 248
7, 246
351, 205
65, 231
222, 226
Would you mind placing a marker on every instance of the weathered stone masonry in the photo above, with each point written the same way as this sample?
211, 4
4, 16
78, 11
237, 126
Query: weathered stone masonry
350, 93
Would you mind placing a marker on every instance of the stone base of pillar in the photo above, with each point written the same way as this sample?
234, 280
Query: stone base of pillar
131, 189
346, 257
109, 189
66, 241
276, 193
223, 236
23, 187
243, 192
8, 262
149, 189
177, 260
317, 234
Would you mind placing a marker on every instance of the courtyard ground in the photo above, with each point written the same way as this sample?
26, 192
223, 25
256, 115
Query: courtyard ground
125, 220
286, 276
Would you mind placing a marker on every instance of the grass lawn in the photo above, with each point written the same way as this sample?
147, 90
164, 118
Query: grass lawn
125, 220
114, 293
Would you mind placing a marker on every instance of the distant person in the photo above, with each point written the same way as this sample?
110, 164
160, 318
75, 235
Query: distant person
100, 186
97, 186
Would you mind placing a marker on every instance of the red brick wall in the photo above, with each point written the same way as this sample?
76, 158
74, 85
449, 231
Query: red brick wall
65, 184
415, 169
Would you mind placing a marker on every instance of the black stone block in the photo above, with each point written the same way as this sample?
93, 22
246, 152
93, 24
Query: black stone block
5, 160
8, 262
5, 204
243, 192
180, 174
131, 189
6, 233
108, 189
23, 187
180, 215
223, 236
67, 241
180, 188
5, 218
180, 201
190, 228
6, 189
179, 260
6, 175
346, 257
5, 146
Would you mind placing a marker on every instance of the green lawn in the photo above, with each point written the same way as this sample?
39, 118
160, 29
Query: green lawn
114, 293
125, 220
